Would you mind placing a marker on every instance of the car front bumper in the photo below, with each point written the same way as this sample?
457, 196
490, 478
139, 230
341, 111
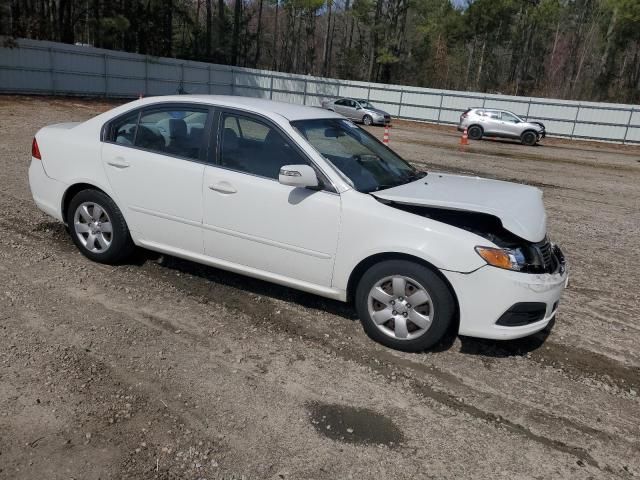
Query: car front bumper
381, 121
486, 294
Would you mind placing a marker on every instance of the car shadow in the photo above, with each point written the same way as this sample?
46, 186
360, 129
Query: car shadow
469, 345
248, 284
505, 348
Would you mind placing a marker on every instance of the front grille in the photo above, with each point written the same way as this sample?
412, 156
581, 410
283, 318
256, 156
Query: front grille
548, 261
545, 252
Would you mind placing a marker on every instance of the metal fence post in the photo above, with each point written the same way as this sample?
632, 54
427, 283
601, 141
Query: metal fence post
209, 79
575, 120
146, 75
106, 76
52, 71
304, 95
400, 103
528, 109
626, 130
271, 87
440, 107
233, 81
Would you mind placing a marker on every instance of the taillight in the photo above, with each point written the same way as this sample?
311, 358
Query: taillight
35, 151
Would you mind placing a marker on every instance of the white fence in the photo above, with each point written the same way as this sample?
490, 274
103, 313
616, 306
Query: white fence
60, 69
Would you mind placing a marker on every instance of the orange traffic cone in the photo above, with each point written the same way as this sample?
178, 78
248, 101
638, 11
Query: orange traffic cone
464, 140
385, 138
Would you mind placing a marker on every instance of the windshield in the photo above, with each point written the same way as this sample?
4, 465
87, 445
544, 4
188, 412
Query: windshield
365, 104
368, 164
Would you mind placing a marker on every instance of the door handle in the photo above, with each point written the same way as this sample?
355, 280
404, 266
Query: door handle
223, 187
119, 162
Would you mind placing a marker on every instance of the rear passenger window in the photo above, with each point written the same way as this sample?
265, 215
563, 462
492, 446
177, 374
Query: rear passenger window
251, 146
123, 130
172, 131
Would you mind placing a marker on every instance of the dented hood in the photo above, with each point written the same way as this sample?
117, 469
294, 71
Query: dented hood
519, 207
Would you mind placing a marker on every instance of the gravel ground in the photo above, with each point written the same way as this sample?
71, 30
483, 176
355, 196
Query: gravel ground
166, 369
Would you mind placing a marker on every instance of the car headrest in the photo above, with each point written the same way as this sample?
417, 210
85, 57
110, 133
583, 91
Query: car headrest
177, 128
230, 139
274, 139
195, 133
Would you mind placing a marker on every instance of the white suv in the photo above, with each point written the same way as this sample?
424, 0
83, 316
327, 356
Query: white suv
488, 122
305, 198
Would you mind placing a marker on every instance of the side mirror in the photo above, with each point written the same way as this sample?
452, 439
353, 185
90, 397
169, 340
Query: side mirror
302, 176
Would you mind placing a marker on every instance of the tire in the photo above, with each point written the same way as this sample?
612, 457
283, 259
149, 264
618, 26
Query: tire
529, 138
475, 132
106, 246
390, 321
367, 120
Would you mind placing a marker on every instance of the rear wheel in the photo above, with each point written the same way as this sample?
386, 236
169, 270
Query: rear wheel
475, 132
98, 228
529, 138
404, 305
367, 120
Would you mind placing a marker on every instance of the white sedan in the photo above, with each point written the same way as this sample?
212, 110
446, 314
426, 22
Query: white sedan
305, 198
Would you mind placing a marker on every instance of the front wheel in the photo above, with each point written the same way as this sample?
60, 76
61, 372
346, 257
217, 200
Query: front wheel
529, 138
98, 228
404, 305
367, 120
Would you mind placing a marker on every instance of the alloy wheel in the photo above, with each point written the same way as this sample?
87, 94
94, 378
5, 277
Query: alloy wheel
400, 307
93, 227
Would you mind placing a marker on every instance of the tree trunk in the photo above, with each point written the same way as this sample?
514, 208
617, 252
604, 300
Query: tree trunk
258, 36
208, 39
275, 38
325, 50
373, 51
237, 12
222, 30
479, 75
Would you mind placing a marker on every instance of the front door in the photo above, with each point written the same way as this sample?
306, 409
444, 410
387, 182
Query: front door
154, 160
252, 220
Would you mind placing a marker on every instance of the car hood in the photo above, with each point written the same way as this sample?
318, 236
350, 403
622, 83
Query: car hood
376, 110
519, 207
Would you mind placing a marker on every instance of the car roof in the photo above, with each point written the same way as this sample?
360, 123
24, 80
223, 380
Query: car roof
289, 111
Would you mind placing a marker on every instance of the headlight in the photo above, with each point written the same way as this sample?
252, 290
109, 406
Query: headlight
510, 259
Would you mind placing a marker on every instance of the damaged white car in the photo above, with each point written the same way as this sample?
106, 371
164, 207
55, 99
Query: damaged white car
302, 197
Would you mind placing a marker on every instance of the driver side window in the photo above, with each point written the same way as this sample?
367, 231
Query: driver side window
251, 146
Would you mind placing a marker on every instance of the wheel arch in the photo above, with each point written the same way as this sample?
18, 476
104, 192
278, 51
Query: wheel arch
365, 264
529, 130
475, 125
74, 189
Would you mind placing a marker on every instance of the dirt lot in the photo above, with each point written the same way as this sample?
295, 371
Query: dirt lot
166, 369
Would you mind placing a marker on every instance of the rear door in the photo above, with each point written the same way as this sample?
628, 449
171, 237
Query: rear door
154, 160
340, 106
351, 110
492, 123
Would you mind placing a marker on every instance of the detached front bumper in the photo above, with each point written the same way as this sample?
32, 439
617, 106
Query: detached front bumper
502, 304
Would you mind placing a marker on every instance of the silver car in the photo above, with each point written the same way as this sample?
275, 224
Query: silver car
488, 122
358, 110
